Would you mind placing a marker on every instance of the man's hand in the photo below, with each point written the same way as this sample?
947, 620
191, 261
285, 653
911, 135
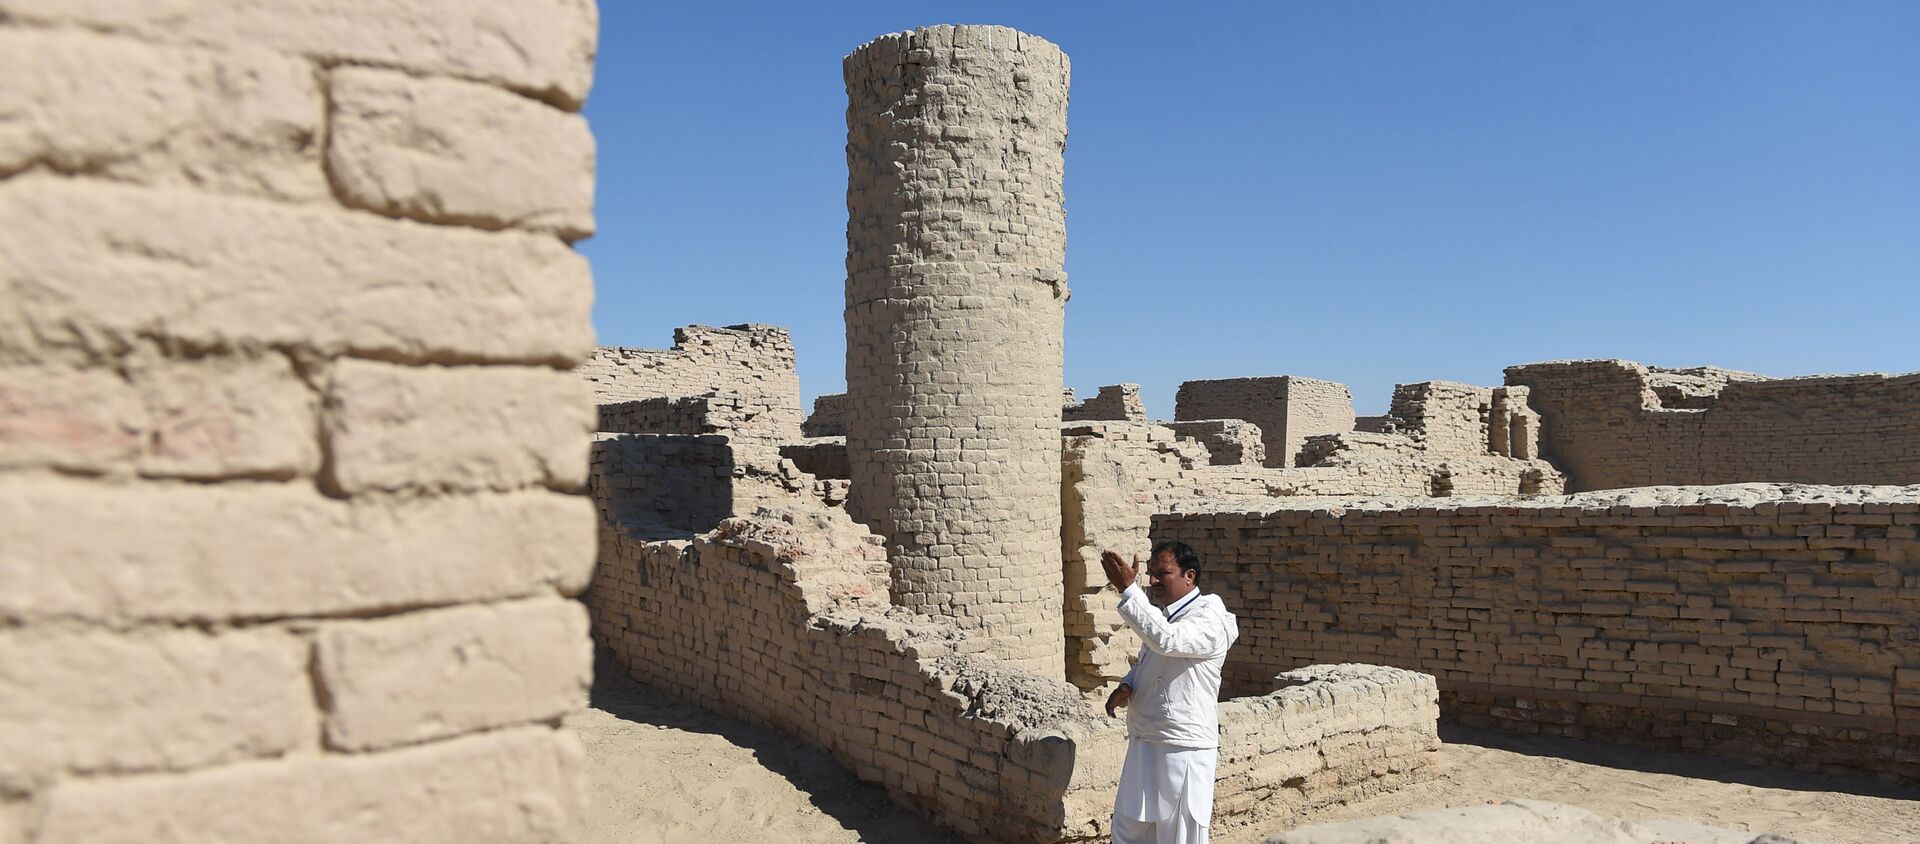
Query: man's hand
1119, 699
1119, 572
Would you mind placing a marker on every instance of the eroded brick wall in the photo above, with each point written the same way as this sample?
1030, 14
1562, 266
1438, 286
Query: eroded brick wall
1288, 409
287, 431
1229, 442
752, 365
781, 619
1764, 622
1114, 401
1613, 424
829, 417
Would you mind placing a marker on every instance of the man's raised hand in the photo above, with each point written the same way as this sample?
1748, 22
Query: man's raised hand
1121, 696
1119, 572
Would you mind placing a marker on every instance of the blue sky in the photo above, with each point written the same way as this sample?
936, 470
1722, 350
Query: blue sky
1372, 193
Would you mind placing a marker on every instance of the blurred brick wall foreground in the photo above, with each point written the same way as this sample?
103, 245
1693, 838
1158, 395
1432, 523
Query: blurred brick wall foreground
289, 448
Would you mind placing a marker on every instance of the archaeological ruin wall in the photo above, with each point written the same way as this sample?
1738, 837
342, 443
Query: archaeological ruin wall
257, 260
922, 708
1229, 442
829, 417
1119, 402
1287, 409
1613, 424
956, 238
1767, 623
745, 371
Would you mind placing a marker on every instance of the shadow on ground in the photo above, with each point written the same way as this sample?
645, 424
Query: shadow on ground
683, 802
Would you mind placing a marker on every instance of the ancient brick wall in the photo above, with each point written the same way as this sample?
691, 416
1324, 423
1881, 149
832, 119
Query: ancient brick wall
781, 619
829, 417
1448, 418
745, 420
956, 238
1119, 402
287, 431
1288, 409
1613, 424
1763, 622
1229, 442
1114, 476
751, 363
1462, 420
821, 457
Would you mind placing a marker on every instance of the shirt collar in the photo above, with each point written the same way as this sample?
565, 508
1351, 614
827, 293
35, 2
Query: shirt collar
1181, 605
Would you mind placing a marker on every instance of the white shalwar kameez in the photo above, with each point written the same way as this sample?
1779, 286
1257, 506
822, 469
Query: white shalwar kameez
1173, 720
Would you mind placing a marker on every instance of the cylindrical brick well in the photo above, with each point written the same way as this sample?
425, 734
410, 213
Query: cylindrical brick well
956, 237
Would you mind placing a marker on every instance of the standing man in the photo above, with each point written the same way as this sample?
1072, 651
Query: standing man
1171, 696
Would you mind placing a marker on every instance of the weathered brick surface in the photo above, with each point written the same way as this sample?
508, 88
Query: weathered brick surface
455, 427
956, 239
1119, 402
71, 549
241, 121
821, 457
1763, 622
1114, 476
829, 417
212, 417
96, 702
1229, 442
1613, 424
430, 675
544, 48
429, 149
239, 414
1288, 409
745, 371
99, 265
520, 785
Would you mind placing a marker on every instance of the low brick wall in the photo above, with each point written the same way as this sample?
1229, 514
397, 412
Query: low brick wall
782, 619
1770, 623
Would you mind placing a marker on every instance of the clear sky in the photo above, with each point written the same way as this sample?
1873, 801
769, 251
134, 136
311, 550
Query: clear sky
1372, 193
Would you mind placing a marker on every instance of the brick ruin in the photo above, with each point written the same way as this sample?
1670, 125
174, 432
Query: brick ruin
872, 567
1615, 424
260, 258
894, 593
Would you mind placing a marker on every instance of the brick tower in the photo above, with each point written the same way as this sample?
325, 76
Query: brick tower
956, 237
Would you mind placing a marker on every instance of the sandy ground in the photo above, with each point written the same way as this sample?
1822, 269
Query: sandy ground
666, 773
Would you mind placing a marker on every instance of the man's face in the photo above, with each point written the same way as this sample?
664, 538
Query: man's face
1166, 583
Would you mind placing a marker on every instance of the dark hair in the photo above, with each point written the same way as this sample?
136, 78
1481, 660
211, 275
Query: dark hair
1183, 554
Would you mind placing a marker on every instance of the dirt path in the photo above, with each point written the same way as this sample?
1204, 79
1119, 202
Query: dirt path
664, 772
1477, 766
667, 773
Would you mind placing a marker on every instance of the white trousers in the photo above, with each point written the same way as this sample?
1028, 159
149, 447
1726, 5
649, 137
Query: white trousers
1179, 829
1165, 794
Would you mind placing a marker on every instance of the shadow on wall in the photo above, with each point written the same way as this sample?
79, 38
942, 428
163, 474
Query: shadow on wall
664, 486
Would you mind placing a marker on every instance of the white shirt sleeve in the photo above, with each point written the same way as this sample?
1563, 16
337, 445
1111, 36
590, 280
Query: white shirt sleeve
1204, 634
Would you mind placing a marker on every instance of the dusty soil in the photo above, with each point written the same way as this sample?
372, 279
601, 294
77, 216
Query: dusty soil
666, 773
